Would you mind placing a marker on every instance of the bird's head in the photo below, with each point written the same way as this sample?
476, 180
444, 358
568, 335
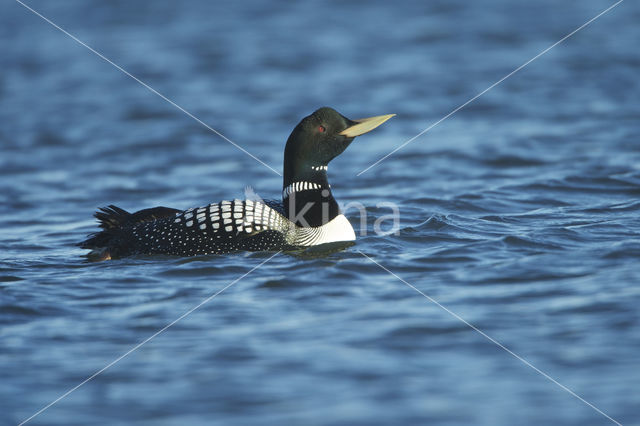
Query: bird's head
322, 136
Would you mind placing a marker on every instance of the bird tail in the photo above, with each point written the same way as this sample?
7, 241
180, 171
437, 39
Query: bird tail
111, 219
115, 240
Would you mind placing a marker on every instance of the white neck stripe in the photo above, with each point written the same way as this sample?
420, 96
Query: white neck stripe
318, 168
299, 186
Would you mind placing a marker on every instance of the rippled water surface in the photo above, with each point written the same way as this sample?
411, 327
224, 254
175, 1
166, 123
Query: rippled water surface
519, 214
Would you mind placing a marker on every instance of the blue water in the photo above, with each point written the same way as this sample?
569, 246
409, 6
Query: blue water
519, 213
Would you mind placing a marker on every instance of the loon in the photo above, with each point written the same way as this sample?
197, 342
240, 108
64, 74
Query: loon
308, 215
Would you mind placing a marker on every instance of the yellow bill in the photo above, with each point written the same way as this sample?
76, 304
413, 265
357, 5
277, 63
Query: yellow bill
365, 125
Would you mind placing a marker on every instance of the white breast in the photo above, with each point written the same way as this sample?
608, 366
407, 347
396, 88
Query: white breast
339, 229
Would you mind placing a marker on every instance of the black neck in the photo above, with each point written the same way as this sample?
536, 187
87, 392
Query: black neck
309, 207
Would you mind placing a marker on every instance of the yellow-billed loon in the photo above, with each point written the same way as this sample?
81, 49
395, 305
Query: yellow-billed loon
307, 216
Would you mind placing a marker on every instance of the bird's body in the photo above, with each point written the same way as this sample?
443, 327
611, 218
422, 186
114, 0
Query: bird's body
307, 216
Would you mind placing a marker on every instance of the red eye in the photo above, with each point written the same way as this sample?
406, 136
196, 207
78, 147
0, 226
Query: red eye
321, 129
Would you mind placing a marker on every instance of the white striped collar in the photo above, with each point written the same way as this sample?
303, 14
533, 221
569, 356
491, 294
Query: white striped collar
319, 168
299, 186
